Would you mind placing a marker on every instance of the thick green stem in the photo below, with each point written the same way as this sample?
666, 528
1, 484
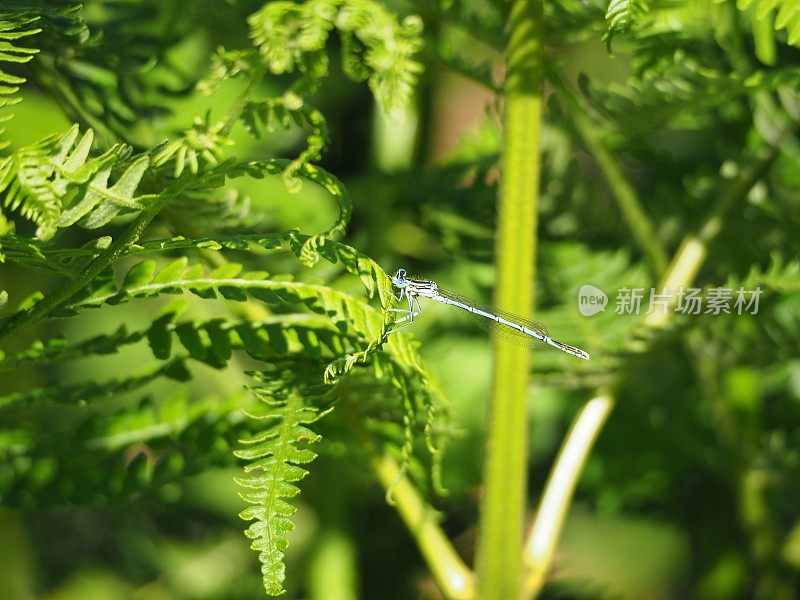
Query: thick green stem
499, 552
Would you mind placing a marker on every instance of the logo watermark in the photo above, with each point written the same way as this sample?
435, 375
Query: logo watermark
591, 300
687, 301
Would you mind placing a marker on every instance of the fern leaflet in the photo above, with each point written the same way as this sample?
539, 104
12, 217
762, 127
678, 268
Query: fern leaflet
276, 458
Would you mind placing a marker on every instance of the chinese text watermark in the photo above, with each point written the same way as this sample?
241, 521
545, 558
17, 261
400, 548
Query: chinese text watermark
687, 301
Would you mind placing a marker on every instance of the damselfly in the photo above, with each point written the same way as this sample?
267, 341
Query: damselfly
510, 327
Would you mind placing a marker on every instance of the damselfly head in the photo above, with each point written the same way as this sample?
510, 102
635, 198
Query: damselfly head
399, 279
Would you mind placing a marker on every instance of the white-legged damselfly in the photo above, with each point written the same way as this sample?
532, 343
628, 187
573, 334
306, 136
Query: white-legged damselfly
505, 325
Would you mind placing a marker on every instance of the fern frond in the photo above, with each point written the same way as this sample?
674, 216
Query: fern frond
200, 146
310, 253
92, 391
282, 112
145, 280
18, 22
212, 341
151, 442
41, 255
11, 30
58, 349
372, 276
276, 459
226, 64
209, 341
311, 248
393, 73
374, 279
375, 46
780, 275
55, 183
622, 16
681, 84
119, 77
786, 18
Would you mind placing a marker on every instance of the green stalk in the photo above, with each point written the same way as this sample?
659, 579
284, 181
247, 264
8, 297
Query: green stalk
453, 577
633, 213
623, 191
546, 531
499, 552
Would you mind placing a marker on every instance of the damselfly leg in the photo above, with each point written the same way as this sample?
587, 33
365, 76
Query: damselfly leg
410, 313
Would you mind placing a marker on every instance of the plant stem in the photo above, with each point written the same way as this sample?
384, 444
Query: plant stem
453, 577
499, 552
564, 475
241, 101
639, 224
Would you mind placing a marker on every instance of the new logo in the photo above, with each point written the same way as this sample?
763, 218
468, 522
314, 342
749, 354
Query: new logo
591, 300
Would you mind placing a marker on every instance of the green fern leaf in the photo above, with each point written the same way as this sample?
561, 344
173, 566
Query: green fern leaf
200, 147
372, 276
58, 350
183, 435
144, 281
226, 64
258, 169
622, 16
765, 22
376, 47
18, 22
13, 28
92, 391
283, 112
276, 457
54, 183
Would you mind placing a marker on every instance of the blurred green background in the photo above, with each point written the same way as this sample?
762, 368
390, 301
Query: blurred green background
693, 489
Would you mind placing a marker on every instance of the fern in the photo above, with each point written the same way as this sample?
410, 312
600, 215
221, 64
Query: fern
55, 183
672, 89
264, 115
318, 334
622, 16
92, 391
258, 169
375, 47
13, 28
57, 349
100, 456
764, 11
200, 146
107, 73
276, 458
